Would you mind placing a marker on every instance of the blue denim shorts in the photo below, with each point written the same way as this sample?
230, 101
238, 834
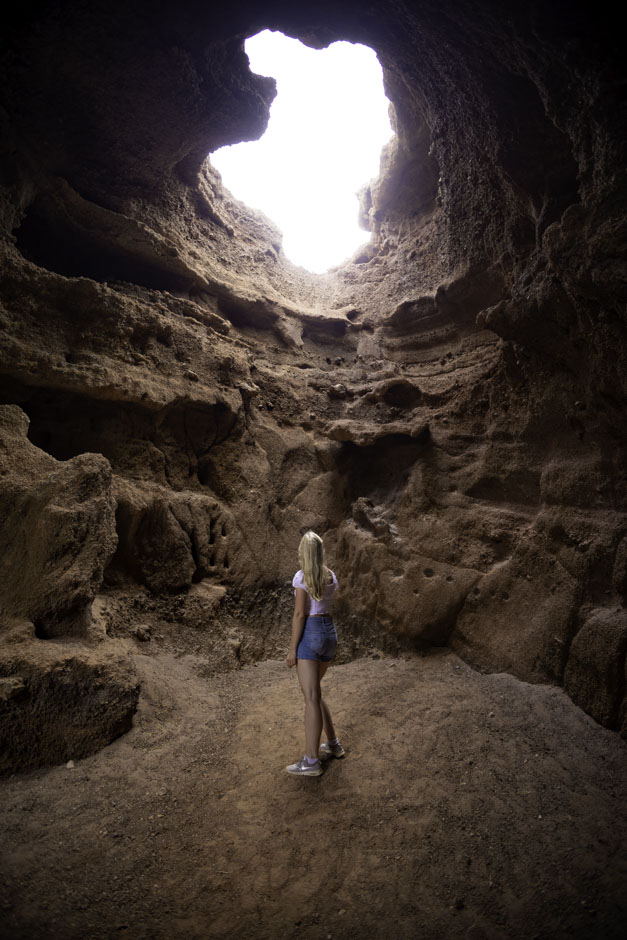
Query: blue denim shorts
319, 639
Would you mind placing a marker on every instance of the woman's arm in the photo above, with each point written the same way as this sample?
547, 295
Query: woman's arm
298, 622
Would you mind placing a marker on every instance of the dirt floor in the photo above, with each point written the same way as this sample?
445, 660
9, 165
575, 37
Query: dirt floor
466, 806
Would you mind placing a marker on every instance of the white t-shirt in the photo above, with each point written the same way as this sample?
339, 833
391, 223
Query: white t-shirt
314, 606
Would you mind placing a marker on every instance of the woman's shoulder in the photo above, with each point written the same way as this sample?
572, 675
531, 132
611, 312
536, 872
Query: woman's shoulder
331, 579
298, 581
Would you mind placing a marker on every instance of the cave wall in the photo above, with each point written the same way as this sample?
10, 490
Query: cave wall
446, 408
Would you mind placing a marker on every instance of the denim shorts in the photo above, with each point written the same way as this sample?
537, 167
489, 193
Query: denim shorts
319, 639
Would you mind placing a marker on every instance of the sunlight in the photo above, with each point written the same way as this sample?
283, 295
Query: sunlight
327, 126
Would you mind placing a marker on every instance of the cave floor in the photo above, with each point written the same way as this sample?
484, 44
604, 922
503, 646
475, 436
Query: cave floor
467, 805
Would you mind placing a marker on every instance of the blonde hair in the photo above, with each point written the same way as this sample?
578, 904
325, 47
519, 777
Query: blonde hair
311, 558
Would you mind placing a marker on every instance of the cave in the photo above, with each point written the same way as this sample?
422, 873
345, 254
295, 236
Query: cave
179, 404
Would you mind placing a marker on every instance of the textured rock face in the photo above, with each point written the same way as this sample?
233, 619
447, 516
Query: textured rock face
56, 706
447, 408
58, 533
595, 674
58, 530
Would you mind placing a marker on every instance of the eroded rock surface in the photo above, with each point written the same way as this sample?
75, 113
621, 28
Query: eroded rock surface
58, 531
60, 705
58, 700
446, 408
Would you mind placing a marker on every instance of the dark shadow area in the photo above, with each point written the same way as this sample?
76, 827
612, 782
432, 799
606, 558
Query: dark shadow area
379, 470
56, 242
166, 446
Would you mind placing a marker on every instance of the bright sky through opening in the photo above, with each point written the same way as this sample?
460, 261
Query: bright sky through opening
327, 127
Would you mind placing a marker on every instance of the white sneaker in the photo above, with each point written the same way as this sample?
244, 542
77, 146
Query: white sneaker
331, 750
303, 768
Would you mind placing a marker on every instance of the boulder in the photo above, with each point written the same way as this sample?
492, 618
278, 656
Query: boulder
595, 672
58, 703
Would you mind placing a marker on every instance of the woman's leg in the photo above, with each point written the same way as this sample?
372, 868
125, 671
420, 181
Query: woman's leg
309, 678
327, 721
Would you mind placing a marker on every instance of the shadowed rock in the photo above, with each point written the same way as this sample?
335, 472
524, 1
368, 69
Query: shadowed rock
595, 672
58, 531
57, 705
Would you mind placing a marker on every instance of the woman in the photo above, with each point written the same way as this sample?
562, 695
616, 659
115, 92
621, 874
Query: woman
312, 648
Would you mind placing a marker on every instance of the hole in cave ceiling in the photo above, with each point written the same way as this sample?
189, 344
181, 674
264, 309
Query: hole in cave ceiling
327, 127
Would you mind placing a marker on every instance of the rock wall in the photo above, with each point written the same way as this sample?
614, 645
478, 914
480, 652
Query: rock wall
446, 408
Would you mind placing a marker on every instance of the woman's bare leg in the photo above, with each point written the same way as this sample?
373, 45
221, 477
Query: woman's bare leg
327, 721
309, 678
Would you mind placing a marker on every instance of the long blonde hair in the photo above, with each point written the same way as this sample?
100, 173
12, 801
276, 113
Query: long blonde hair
311, 558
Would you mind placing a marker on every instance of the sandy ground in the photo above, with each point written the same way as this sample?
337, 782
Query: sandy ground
466, 806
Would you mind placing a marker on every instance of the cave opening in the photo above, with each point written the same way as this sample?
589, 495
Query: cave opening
328, 127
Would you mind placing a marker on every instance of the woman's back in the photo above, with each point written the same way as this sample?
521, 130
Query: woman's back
317, 606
